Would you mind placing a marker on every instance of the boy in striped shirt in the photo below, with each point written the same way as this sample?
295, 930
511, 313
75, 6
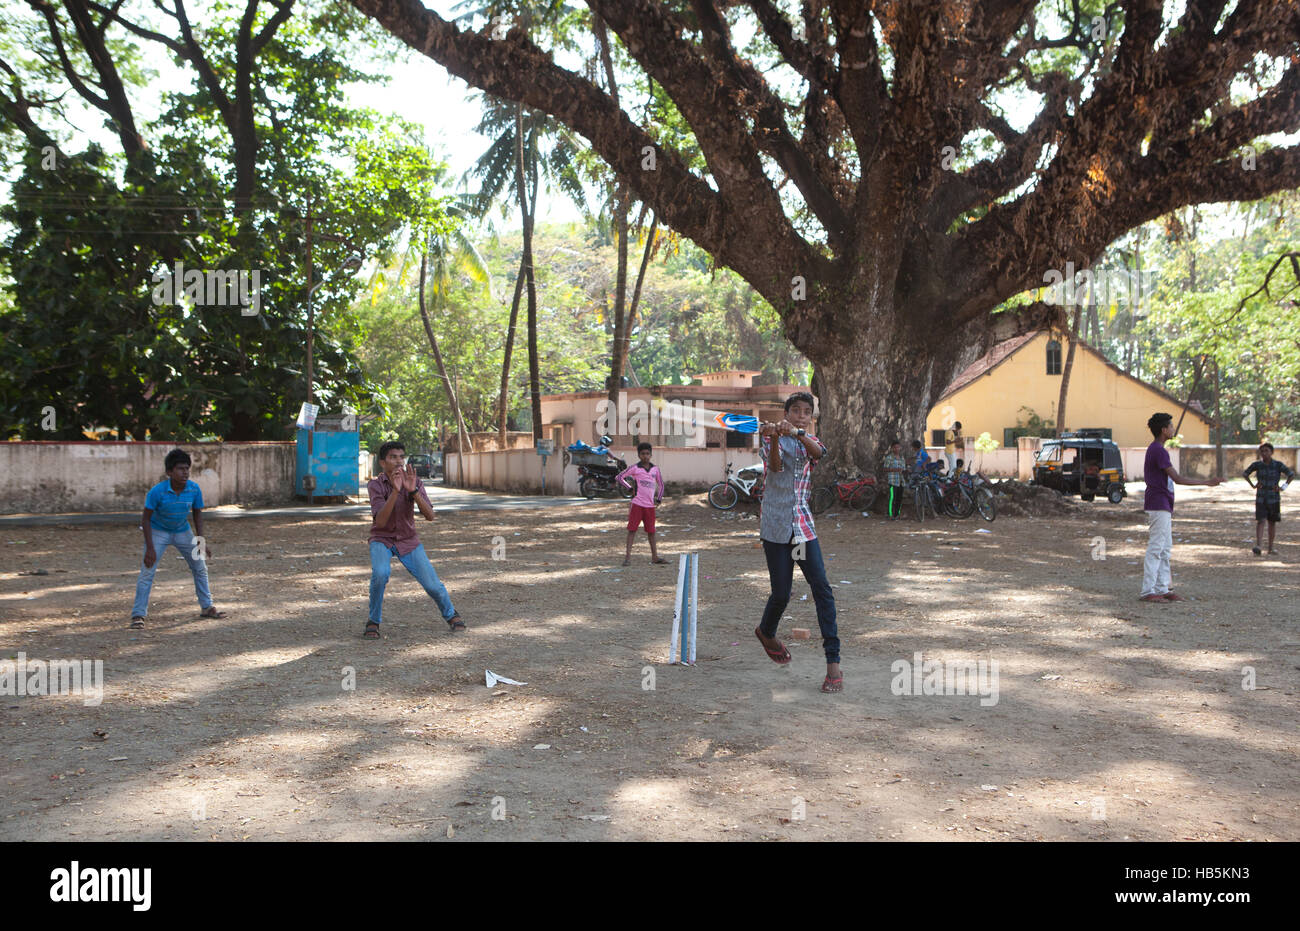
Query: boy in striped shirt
788, 535
1268, 495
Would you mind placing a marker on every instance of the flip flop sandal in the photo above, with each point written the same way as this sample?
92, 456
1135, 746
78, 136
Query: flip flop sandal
833, 685
214, 613
661, 561
781, 656
372, 631
137, 623
455, 623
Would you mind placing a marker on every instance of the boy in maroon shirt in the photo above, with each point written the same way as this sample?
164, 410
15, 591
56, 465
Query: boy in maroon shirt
394, 495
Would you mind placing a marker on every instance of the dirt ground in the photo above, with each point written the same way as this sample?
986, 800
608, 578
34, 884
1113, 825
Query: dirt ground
1115, 719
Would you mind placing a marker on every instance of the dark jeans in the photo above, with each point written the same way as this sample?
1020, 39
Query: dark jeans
893, 499
780, 568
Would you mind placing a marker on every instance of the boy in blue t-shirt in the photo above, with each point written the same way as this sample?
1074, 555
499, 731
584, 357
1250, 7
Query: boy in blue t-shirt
922, 458
165, 522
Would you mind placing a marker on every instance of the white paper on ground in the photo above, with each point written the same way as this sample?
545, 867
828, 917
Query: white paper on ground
493, 679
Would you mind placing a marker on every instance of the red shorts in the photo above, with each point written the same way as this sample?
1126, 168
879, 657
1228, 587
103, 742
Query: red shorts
637, 514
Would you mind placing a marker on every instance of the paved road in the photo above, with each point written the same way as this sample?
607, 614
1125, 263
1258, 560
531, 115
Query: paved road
444, 499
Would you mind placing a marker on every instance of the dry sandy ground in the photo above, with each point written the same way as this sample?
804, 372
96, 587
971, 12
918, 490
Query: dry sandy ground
1115, 719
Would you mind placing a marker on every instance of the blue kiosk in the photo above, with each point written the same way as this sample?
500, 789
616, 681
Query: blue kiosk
327, 457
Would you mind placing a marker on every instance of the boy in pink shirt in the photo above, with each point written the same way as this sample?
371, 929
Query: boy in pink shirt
649, 492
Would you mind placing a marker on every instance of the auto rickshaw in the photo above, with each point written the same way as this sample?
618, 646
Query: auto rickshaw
1083, 463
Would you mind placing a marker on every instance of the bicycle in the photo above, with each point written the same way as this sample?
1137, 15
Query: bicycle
858, 493
957, 499
747, 484
984, 501
925, 495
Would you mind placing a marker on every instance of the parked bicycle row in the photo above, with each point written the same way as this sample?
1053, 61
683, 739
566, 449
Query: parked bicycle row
923, 488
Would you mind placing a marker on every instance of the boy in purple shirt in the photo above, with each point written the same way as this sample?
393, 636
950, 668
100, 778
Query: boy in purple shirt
649, 492
394, 495
1161, 476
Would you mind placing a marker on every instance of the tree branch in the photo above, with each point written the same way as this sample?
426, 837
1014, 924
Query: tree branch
75, 79
111, 14
722, 226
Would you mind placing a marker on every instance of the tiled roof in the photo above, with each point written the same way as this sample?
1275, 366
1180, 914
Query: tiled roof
986, 363
1004, 350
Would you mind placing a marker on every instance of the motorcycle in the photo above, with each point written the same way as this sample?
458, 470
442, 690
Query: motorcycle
597, 469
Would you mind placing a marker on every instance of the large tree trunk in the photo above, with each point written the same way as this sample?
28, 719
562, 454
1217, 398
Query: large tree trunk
879, 385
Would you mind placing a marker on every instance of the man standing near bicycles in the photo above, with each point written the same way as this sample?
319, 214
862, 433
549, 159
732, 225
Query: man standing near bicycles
786, 529
895, 469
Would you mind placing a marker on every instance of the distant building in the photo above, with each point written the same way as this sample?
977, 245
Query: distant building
1022, 375
578, 416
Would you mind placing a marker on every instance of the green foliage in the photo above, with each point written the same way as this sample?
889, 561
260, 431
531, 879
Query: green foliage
1174, 299
690, 322
84, 333
985, 443
1030, 424
1206, 305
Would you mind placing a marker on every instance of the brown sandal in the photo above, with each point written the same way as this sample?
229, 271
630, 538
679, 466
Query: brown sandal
212, 612
372, 631
455, 623
137, 623
781, 656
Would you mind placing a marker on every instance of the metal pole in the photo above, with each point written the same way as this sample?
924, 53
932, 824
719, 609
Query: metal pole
311, 314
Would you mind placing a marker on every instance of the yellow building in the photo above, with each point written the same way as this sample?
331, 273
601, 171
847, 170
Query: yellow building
1022, 376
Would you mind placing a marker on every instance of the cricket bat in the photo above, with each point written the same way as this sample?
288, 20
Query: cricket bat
703, 417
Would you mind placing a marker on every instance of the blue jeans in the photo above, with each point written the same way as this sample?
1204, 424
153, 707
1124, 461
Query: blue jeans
780, 568
417, 563
183, 540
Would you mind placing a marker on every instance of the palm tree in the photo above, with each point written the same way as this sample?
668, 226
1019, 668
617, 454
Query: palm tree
526, 145
445, 256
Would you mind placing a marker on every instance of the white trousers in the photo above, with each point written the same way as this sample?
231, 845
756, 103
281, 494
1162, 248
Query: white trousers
1160, 545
